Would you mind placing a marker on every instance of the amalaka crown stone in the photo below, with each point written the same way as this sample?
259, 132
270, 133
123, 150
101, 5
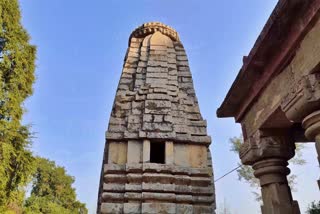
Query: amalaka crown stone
152, 27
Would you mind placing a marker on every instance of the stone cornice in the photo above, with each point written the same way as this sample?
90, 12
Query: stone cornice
272, 51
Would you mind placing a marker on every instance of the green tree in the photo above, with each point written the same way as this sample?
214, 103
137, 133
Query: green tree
314, 208
246, 172
17, 65
52, 191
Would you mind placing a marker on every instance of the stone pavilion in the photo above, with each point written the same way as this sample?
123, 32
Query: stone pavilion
276, 99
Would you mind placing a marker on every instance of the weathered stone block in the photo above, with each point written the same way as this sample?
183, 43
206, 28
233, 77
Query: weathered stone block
134, 154
117, 152
158, 97
134, 119
157, 187
146, 151
160, 90
169, 153
172, 60
195, 116
135, 44
184, 208
202, 123
155, 208
132, 208
133, 187
182, 58
165, 127
137, 105
183, 189
133, 54
147, 118
132, 169
115, 178
155, 167
143, 91
111, 196
181, 53
161, 135
154, 63
129, 70
140, 97
157, 70
111, 208
130, 134
199, 209
181, 128
158, 118
111, 187
114, 168
197, 155
123, 87
142, 134
161, 81
201, 139
198, 130
184, 199
136, 111
133, 196
158, 196
123, 106
157, 75
116, 128
155, 104
143, 62
168, 118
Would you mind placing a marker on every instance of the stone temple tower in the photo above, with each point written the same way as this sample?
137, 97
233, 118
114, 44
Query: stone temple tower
157, 157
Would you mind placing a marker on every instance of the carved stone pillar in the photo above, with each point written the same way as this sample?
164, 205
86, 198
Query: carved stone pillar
302, 104
312, 126
269, 155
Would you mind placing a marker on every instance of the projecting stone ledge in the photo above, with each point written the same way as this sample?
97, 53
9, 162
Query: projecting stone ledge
184, 138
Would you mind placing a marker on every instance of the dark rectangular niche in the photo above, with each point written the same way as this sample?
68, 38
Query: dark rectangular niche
157, 152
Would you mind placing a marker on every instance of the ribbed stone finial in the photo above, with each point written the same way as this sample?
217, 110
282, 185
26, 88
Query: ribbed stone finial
152, 27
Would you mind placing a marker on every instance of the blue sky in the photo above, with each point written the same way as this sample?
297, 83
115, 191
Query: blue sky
81, 46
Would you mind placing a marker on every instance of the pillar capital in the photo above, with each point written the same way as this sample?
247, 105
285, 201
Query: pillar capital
273, 170
303, 98
276, 195
311, 124
263, 145
268, 153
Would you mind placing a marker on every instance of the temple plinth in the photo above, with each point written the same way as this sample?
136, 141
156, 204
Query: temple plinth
157, 157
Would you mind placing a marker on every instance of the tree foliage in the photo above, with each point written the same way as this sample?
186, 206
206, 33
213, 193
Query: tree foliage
246, 172
52, 191
314, 208
17, 65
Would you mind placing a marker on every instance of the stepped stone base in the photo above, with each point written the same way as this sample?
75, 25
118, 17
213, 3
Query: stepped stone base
157, 188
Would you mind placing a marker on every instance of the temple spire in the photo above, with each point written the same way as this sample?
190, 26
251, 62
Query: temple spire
157, 154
